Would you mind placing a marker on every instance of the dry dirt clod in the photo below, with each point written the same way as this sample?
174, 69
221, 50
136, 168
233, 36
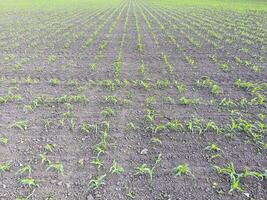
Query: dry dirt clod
144, 151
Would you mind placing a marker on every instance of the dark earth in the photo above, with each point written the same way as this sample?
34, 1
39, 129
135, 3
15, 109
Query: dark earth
52, 46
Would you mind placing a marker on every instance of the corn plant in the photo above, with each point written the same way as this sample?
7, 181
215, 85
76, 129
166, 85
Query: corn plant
213, 148
180, 87
49, 147
188, 101
156, 140
145, 169
162, 84
96, 182
117, 67
27, 169
225, 67
47, 124
159, 128
116, 168
52, 58
183, 169
111, 99
4, 167
44, 159
235, 178
207, 82
98, 163
54, 82
57, 167
21, 125
87, 128
167, 63
190, 60
129, 194
108, 112
3, 140
195, 125
30, 182
29, 80
142, 69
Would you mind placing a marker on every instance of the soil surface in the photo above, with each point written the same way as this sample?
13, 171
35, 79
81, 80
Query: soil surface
75, 86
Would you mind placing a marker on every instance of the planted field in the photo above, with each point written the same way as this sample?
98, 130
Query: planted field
133, 99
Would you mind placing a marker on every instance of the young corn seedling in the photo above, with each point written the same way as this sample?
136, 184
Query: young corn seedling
103, 145
132, 126
144, 169
5, 167
116, 168
208, 83
190, 60
170, 100
10, 97
129, 194
141, 84
213, 58
183, 169
61, 122
195, 126
212, 126
180, 87
162, 84
150, 117
3, 140
22, 125
44, 159
215, 89
93, 66
156, 140
73, 82
57, 167
72, 124
54, 82
235, 177
117, 67
47, 124
188, 101
27, 169
213, 148
96, 182
174, 125
225, 67
150, 101
52, 58
37, 102
81, 163
142, 69
18, 66
255, 174
29, 80
109, 84
228, 103
167, 63
87, 128
159, 128
111, 99
49, 147
98, 163
108, 112
30, 182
